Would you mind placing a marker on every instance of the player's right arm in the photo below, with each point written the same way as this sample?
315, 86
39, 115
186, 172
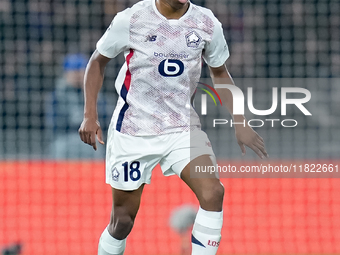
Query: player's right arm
94, 76
114, 41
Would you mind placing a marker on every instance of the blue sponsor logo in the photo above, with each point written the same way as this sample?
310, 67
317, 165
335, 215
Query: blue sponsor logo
171, 67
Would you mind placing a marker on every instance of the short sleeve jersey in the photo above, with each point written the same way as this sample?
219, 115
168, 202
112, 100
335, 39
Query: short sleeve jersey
163, 61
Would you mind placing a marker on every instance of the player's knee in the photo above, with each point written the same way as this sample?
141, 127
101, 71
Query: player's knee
122, 227
217, 193
213, 197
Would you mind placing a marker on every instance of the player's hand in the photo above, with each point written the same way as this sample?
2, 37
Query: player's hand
89, 129
245, 135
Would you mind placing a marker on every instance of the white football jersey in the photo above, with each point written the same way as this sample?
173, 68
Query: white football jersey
163, 66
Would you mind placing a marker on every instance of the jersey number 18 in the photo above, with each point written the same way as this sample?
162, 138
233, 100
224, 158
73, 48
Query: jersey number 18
134, 172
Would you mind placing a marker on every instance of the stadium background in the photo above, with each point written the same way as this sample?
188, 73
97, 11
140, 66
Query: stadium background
59, 204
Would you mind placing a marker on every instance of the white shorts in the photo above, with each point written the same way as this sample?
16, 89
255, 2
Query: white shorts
131, 159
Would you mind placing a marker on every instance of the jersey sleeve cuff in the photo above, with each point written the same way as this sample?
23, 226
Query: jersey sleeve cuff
103, 52
221, 59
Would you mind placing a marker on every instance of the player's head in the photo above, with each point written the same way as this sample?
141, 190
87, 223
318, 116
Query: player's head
74, 69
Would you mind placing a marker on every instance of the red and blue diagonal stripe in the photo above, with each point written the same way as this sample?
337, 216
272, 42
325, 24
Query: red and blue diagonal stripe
124, 91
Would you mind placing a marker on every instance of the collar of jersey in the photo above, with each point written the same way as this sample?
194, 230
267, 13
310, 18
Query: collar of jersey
173, 21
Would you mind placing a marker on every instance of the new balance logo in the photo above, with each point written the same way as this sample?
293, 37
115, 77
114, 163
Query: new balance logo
151, 38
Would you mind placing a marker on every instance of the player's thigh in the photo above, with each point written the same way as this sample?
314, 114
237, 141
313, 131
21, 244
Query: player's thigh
125, 203
207, 188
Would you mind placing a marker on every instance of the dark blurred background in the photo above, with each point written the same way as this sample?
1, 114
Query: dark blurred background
60, 206
267, 39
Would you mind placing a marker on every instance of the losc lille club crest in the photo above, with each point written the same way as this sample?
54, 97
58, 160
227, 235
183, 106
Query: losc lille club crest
193, 39
115, 175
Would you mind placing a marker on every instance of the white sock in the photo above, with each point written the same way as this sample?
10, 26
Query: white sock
206, 234
108, 245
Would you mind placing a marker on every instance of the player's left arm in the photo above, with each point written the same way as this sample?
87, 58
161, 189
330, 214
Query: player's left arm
245, 135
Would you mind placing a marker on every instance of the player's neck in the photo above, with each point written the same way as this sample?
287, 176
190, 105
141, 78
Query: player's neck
171, 9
